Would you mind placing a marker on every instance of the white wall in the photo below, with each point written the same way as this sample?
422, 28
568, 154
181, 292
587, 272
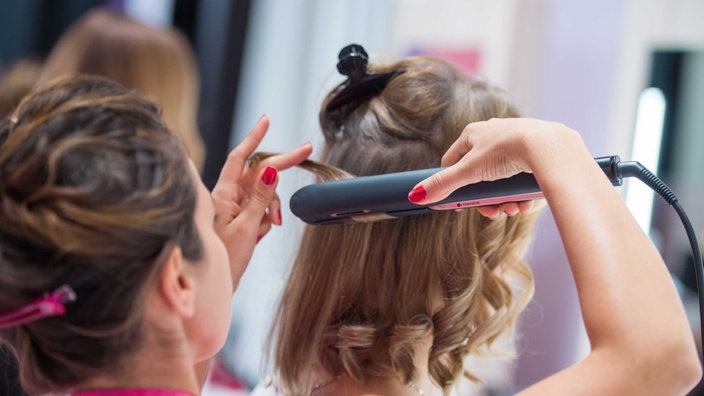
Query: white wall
487, 25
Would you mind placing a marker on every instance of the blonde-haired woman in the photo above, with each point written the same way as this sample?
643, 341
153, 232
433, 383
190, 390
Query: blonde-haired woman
157, 62
394, 307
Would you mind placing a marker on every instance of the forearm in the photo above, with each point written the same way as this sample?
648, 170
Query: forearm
641, 342
631, 310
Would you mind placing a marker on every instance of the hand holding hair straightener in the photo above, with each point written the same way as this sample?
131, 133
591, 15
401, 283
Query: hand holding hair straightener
626, 294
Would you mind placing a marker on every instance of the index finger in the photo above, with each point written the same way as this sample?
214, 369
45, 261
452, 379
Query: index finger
441, 184
234, 165
289, 159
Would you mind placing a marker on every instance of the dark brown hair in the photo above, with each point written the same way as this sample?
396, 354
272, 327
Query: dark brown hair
362, 298
94, 189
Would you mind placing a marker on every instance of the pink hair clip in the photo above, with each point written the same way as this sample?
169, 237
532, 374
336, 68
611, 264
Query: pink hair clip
43, 307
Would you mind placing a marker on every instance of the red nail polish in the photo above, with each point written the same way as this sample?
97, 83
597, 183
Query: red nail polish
259, 238
417, 194
269, 175
280, 220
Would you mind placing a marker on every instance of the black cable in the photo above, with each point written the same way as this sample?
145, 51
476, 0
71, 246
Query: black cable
637, 170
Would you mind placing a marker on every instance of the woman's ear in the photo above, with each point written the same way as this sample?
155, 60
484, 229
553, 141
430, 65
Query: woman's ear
176, 286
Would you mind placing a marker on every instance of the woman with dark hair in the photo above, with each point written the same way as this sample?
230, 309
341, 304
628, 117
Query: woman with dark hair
117, 266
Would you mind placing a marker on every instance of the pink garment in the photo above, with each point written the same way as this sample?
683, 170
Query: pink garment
131, 392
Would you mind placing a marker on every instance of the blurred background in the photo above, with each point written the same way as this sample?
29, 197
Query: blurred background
627, 74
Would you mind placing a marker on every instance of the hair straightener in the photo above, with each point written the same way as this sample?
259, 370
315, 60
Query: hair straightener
385, 196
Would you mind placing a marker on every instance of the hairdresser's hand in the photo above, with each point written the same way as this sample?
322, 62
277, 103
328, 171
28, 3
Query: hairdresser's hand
486, 151
245, 199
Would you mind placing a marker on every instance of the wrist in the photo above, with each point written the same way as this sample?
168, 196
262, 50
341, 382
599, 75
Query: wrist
552, 146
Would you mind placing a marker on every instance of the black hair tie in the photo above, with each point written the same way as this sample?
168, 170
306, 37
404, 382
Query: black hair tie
360, 84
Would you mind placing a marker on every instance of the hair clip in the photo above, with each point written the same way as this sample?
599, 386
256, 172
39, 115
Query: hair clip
46, 306
352, 62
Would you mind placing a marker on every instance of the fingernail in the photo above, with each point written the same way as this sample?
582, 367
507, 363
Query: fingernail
261, 117
259, 238
269, 175
417, 194
280, 220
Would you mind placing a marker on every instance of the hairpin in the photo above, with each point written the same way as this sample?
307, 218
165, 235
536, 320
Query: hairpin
46, 306
352, 62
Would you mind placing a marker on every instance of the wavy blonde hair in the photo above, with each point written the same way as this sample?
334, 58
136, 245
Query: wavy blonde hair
363, 298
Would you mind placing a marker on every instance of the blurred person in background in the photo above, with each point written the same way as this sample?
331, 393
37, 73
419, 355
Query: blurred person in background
16, 82
157, 62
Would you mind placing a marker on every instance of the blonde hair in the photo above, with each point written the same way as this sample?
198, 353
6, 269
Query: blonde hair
362, 297
157, 62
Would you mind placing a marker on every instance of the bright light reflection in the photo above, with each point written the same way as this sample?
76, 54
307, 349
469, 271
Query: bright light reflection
647, 141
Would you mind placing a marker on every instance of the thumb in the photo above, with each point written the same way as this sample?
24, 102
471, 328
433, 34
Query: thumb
438, 186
